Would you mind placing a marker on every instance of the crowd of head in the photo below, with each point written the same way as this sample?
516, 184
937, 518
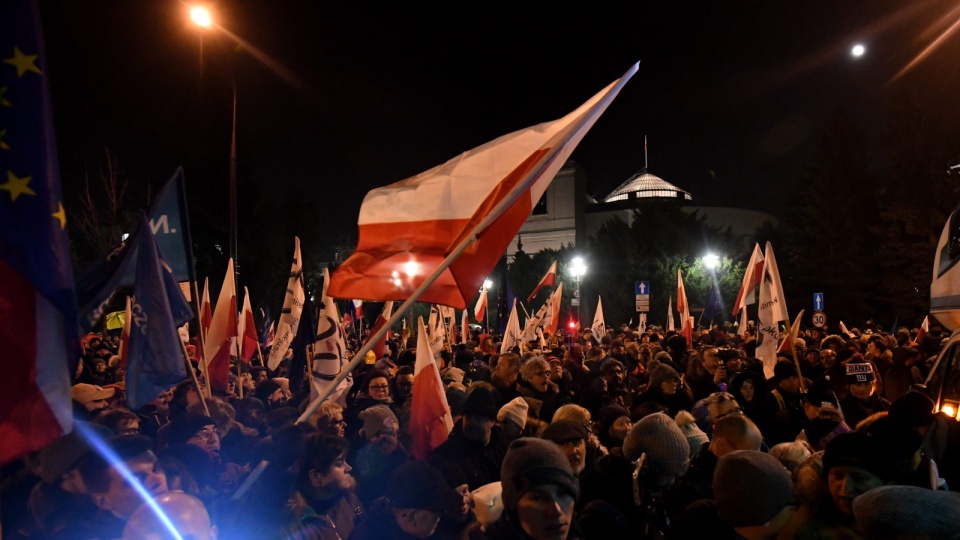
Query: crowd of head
626, 435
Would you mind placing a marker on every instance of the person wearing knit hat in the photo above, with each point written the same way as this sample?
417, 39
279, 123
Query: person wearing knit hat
378, 420
754, 493
667, 452
696, 438
898, 512
852, 466
613, 424
666, 388
270, 393
194, 429
539, 492
512, 417
784, 406
571, 437
452, 375
791, 454
468, 456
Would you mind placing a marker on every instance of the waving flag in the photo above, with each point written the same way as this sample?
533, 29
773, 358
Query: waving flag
511, 336
549, 279
379, 348
772, 310
292, 310
670, 324
599, 326
481, 307
924, 328
330, 350
38, 312
686, 321
223, 328
249, 341
155, 362
430, 418
124, 350
464, 328
554, 316
206, 312
408, 228
751, 280
534, 323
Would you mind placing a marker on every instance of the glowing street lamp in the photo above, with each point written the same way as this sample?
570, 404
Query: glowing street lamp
200, 16
711, 261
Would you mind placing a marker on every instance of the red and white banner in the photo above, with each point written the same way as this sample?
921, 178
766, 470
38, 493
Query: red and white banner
548, 280
407, 229
223, 328
686, 321
751, 280
206, 311
249, 342
430, 418
481, 308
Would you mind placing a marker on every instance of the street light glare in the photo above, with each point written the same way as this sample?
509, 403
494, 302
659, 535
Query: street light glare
577, 267
711, 261
487, 284
201, 16
858, 50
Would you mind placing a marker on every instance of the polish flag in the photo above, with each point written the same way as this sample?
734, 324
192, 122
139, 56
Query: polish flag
464, 328
248, 330
430, 418
223, 328
751, 280
125, 335
684, 308
481, 308
772, 310
511, 336
206, 313
549, 279
554, 320
924, 328
385, 315
670, 324
408, 229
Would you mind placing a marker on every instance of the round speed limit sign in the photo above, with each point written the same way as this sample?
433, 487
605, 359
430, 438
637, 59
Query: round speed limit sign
819, 319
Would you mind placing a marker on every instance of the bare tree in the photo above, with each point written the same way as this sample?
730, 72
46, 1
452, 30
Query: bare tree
102, 213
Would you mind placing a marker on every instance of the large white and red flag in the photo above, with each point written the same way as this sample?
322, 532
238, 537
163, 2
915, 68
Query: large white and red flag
329, 351
511, 336
206, 311
292, 310
223, 328
772, 310
408, 229
548, 280
481, 308
430, 418
249, 341
751, 280
686, 321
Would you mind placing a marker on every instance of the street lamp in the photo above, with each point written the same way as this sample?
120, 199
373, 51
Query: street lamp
578, 269
200, 16
711, 261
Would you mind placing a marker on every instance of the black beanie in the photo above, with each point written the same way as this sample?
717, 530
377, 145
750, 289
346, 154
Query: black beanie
186, 426
530, 463
857, 450
265, 389
913, 409
480, 403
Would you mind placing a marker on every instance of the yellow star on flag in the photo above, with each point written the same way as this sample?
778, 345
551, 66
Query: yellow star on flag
23, 62
3, 100
61, 215
17, 186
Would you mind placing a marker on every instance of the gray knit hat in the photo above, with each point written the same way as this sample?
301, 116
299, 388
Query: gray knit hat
530, 463
378, 420
660, 374
750, 488
660, 438
515, 411
890, 512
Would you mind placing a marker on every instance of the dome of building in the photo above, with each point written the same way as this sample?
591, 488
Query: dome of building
644, 185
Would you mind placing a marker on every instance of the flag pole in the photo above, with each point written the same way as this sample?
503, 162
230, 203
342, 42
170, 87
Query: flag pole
467, 241
193, 375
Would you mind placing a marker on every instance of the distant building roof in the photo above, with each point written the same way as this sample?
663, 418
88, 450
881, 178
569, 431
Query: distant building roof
644, 185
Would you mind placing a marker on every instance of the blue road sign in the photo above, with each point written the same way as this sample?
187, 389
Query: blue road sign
818, 301
641, 287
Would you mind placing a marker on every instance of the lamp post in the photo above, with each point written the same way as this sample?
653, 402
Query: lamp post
202, 17
578, 269
487, 283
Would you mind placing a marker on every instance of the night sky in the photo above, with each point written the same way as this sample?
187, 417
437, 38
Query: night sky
336, 98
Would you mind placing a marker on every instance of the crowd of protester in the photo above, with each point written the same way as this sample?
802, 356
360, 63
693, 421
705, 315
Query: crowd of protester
637, 435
